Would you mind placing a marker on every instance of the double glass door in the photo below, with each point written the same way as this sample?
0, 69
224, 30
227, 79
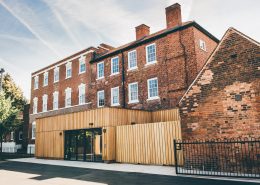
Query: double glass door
83, 145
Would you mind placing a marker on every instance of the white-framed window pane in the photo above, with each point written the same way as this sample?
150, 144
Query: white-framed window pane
133, 92
56, 74
100, 69
68, 97
36, 82
151, 53
153, 88
45, 79
81, 94
132, 59
68, 70
202, 44
115, 65
55, 101
44, 103
35, 105
101, 98
82, 67
115, 96
33, 130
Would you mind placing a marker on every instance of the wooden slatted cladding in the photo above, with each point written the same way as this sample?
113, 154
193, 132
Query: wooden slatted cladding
96, 118
50, 144
165, 115
150, 143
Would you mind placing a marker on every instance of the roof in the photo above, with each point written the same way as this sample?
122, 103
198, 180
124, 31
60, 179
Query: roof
153, 37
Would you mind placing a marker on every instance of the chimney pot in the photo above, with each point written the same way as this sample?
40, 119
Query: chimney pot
173, 15
142, 31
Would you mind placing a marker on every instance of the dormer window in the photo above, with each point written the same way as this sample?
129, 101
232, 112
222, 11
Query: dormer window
68, 70
82, 64
45, 78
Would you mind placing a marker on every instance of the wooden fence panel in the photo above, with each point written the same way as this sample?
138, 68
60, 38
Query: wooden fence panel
150, 143
165, 115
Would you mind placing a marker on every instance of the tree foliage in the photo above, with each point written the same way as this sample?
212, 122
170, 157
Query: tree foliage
13, 92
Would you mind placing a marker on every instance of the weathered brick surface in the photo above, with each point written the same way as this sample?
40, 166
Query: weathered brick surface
223, 102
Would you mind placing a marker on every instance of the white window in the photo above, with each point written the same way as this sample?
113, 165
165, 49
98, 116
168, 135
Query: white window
133, 92
55, 100
12, 136
100, 70
82, 64
68, 70
20, 135
152, 88
82, 88
202, 44
56, 74
33, 130
44, 103
101, 98
115, 96
35, 105
68, 97
151, 54
36, 82
114, 66
45, 79
132, 60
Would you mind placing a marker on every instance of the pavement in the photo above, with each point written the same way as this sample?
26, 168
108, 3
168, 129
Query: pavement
39, 172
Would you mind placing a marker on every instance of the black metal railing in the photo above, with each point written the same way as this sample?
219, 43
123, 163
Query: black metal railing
233, 157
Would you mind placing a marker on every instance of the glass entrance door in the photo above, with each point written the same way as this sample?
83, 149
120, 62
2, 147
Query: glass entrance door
83, 145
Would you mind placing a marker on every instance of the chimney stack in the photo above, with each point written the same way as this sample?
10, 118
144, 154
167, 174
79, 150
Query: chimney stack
142, 31
173, 15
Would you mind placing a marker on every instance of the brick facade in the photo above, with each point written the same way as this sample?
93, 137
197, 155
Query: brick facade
223, 101
178, 61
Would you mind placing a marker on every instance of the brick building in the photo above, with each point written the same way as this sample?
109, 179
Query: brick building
151, 73
223, 101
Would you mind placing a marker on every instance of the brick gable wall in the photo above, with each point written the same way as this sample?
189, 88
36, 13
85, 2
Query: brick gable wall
223, 102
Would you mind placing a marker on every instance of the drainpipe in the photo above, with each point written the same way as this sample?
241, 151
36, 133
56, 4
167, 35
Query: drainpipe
123, 79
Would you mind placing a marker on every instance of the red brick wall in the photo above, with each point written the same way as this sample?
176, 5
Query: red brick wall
224, 100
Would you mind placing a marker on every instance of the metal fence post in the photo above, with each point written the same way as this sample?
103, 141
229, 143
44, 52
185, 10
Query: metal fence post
175, 156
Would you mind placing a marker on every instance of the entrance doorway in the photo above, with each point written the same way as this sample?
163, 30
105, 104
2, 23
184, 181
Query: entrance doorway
83, 145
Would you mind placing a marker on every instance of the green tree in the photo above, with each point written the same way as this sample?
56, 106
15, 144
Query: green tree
8, 116
13, 92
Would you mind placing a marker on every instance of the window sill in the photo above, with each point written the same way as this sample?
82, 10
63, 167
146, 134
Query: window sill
153, 98
150, 63
133, 102
100, 106
44, 85
114, 105
67, 77
82, 72
55, 82
100, 78
33, 138
132, 69
114, 74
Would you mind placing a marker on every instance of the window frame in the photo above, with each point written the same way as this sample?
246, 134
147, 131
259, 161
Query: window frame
129, 93
82, 87
67, 90
202, 45
82, 61
55, 96
44, 100
56, 70
33, 130
111, 66
129, 62
112, 96
46, 74
98, 96
147, 57
34, 84
35, 105
68, 65
148, 89
100, 77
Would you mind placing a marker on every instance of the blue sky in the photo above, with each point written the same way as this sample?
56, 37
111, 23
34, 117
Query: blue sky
36, 33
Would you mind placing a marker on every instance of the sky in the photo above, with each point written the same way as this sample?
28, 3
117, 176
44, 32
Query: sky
36, 33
